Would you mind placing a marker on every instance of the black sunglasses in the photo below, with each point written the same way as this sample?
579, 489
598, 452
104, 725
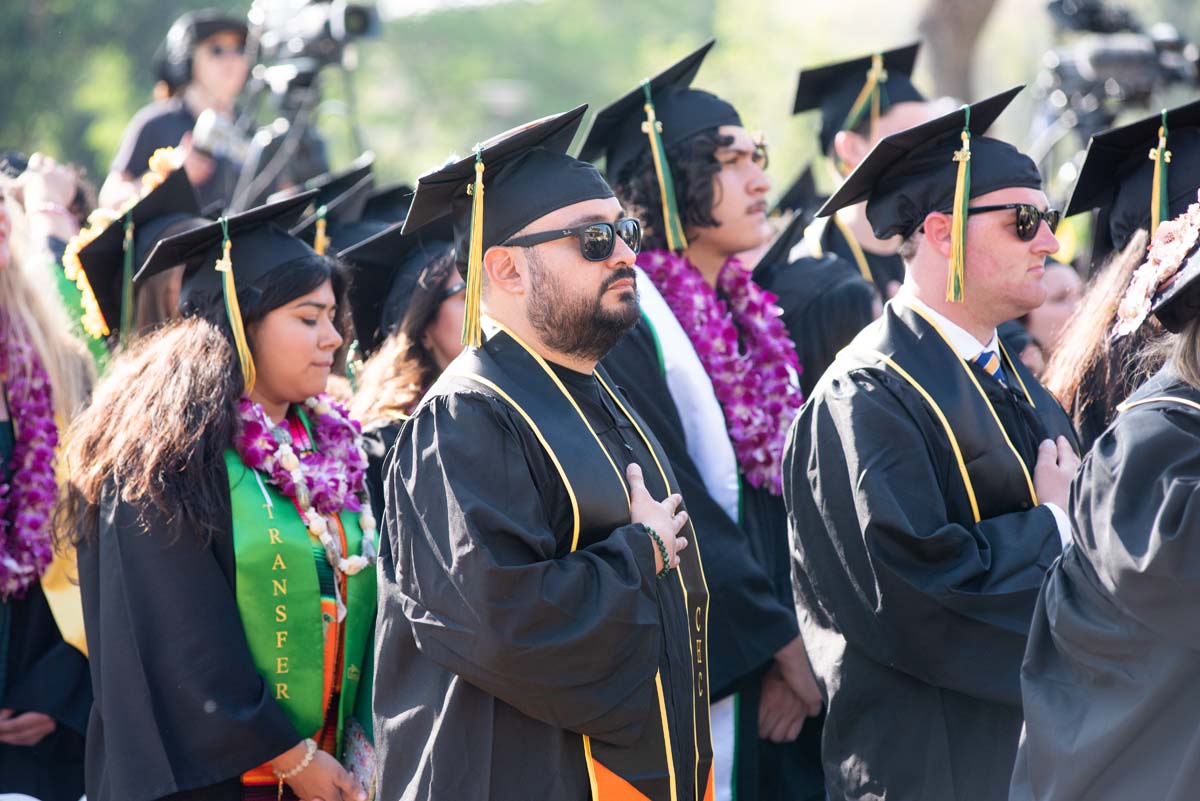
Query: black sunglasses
596, 239
217, 50
1029, 218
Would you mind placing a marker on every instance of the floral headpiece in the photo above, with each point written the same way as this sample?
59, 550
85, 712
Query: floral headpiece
1173, 241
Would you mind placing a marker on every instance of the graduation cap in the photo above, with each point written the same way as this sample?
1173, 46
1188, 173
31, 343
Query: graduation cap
936, 166
847, 91
1139, 175
801, 195
109, 259
385, 270
780, 252
525, 174
330, 184
235, 250
329, 221
388, 204
659, 113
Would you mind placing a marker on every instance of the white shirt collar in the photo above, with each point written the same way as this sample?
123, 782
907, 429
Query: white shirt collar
965, 345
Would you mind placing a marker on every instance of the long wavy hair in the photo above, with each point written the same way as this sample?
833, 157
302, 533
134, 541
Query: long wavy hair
395, 378
166, 411
30, 300
1090, 371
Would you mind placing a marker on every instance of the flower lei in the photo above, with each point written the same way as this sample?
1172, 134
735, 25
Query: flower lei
27, 500
758, 404
1172, 242
164, 161
323, 482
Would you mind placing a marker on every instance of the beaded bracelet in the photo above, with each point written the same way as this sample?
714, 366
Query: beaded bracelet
310, 751
662, 549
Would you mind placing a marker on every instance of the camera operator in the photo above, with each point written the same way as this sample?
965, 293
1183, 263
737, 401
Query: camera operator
203, 65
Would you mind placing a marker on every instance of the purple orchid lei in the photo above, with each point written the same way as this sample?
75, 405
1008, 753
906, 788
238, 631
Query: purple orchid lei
760, 403
325, 481
27, 500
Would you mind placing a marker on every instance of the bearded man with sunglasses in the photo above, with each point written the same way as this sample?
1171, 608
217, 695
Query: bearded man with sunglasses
926, 478
543, 618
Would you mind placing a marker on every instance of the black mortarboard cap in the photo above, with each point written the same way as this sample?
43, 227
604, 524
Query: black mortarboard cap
912, 173
260, 243
616, 131
1117, 176
384, 271
801, 195
524, 173
329, 185
834, 88
388, 204
102, 259
342, 215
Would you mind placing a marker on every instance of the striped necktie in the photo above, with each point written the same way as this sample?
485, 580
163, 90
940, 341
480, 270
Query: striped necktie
989, 360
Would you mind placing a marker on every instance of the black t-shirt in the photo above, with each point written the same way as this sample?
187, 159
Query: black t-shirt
163, 124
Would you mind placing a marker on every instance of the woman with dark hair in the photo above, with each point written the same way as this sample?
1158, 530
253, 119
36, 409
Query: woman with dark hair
1109, 680
1091, 372
712, 368
225, 543
406, 297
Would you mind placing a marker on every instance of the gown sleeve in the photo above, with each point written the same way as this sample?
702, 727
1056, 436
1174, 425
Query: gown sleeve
493, 593
747, 620
878, 556
1136, 507
179, 704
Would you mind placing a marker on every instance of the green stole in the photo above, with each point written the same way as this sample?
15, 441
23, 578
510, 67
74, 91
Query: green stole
279, 600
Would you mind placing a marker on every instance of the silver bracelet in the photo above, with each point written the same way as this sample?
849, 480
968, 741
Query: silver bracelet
310, 746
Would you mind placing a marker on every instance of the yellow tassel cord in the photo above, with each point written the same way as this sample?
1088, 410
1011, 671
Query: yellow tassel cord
234, 311
673, 225
958, 224
1159, 200
320, 239
472, 333
873, 97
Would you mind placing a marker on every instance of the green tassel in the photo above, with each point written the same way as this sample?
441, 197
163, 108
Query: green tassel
127, 280
956, 275
676, 240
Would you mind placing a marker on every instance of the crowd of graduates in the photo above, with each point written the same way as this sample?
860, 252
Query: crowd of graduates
585, 472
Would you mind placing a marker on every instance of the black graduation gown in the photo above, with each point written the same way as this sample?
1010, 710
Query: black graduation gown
885, 270
915, 615
1112, 703
503, 637
749, 579
39, 672
181, 711
825, 303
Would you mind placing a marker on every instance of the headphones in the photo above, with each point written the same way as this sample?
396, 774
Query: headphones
177, 52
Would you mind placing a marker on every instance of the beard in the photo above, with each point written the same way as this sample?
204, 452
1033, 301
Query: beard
577, 325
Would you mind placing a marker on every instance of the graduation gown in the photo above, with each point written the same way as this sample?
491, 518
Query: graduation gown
40, 672
914, 594
827, 237
1109, 679
825, 303
181, 711
526, 649
749, 577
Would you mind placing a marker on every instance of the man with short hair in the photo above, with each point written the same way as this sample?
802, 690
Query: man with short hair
926, 477
544, 619
860, 101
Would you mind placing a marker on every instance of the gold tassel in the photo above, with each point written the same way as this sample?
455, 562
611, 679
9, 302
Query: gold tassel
956, 276
1159, 204
472, 332
871, 91
234, 311
673, 225
320, 240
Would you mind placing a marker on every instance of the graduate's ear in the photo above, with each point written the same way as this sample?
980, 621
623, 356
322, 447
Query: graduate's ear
505, 271
850, 148
937, 232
